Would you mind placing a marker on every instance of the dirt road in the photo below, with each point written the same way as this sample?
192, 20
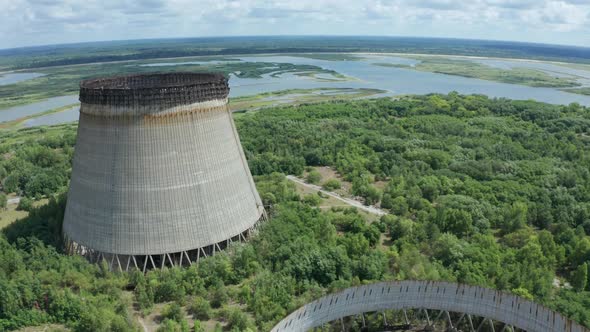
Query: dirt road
349, 201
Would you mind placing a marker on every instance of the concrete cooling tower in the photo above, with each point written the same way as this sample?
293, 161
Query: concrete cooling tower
159, 175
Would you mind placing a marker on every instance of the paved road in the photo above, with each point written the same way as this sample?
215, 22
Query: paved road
351, 202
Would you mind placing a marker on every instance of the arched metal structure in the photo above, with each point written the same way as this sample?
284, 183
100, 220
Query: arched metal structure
159, 175
432, 295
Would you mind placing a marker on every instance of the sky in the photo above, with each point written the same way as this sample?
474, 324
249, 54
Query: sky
42, 22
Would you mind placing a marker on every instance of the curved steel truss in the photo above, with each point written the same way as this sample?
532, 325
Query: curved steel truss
453, 306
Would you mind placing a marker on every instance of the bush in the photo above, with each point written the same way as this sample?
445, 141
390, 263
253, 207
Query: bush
169, 325
580, 277
173, 312
169, 291
237, 320
314, 177
198, 327
200, 309
3, 200
219, 296
311, 199
332, 184
25, 204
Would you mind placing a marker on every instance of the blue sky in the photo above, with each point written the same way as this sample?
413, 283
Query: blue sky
39, 22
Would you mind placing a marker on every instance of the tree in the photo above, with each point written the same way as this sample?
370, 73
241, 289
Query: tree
386, 201
581, 253
372, 195
458, 222
400, 227
399, 206
219, 296
580, 277
144, 295
168, 290
448, 249
10, 183
515, 217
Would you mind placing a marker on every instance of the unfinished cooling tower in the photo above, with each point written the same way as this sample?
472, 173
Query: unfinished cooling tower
159, 175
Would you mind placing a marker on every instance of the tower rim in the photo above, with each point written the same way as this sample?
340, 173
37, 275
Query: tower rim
166, 89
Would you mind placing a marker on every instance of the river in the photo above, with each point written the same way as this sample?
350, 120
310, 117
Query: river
363, 73
11, 78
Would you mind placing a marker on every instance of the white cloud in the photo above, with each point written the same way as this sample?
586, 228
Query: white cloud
26, 22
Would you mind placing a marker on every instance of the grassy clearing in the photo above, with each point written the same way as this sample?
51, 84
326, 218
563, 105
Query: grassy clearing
45, 328
466, 68
11, 214
16, 136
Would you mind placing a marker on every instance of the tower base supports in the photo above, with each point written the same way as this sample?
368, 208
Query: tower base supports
123, 262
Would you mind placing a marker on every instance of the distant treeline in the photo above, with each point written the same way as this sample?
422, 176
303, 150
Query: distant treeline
70, 54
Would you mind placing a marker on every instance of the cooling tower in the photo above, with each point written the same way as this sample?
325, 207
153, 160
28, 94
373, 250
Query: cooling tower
159, 175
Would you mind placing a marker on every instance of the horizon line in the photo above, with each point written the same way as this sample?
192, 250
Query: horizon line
290, 36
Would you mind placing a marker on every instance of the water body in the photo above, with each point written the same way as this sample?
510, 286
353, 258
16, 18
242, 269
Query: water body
17, 112
392, 60
69, 115
399, 81
11, 78
365, 75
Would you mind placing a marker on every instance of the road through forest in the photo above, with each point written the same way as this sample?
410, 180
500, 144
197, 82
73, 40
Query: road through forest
351, 202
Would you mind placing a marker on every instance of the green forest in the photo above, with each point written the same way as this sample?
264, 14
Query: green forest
482, 191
